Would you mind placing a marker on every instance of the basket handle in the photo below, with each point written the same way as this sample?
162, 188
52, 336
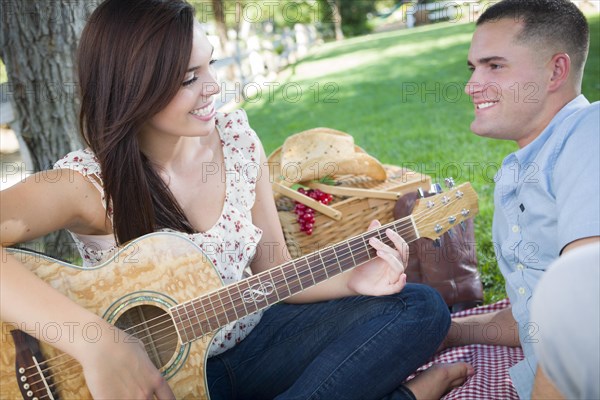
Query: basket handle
355, 192
307, 201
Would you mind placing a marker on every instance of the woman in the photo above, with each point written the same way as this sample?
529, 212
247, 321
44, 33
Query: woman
148, 116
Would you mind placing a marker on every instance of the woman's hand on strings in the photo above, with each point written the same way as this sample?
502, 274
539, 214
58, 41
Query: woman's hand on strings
385, 273
120, 368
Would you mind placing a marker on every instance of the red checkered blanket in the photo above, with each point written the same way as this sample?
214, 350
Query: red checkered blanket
491, 363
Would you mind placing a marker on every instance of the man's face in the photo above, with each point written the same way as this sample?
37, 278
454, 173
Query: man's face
508, 83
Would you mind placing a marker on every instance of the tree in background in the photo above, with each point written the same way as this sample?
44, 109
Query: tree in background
350, 17
220, 25
336, 18
231, 14
38, 41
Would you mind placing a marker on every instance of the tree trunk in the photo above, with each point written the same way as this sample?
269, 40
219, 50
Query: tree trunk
336, 15
38, 41
219, 10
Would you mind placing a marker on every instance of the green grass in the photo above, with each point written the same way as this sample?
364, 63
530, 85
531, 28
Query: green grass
400, 95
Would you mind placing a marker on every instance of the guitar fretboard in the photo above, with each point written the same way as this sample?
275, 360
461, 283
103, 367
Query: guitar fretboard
203, 315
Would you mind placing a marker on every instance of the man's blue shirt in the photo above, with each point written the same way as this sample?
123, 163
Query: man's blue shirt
547, 195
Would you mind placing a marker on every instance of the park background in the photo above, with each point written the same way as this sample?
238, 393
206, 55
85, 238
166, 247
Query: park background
389, 73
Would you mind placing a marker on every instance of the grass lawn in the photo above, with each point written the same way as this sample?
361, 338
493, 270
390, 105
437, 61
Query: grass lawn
400, 94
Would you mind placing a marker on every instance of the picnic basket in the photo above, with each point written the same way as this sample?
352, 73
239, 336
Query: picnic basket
362, 201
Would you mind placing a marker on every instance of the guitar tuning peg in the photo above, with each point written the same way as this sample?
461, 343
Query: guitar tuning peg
437, 243
421, 193
449, 182
436, 188
450, 232
463, 225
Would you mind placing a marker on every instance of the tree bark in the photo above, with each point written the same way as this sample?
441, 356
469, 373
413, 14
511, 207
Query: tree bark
221, 27
336, 15
38, 41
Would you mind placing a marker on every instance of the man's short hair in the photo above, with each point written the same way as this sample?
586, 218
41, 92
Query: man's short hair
547, 22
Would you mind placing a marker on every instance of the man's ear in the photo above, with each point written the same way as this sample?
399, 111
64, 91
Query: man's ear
561, 70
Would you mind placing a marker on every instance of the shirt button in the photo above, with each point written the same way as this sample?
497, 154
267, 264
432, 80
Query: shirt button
521, 291
520, 266
515, 228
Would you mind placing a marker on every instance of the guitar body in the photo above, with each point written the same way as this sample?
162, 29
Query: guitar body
162, 289
139, 284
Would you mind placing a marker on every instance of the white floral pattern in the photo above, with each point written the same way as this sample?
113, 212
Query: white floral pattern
230, 244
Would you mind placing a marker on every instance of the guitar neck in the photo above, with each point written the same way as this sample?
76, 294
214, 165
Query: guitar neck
430, 218
205, 314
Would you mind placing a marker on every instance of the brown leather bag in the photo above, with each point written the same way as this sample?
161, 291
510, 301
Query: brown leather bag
448, 264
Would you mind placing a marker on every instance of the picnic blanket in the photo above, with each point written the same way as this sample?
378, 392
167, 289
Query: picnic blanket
491, 380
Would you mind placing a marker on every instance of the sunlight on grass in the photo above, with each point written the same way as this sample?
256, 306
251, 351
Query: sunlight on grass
400, 94
324, 68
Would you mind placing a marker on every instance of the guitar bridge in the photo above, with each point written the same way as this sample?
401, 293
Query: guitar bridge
31, 369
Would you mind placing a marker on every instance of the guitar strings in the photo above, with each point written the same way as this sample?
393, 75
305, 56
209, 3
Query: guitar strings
402, 231
167, 319
297, 283
300, 280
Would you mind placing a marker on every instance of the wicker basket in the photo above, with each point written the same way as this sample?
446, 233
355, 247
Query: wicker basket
357, 213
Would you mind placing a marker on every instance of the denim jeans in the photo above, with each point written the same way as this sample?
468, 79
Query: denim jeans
353, 348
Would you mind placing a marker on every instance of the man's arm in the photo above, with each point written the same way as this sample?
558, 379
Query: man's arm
498, 328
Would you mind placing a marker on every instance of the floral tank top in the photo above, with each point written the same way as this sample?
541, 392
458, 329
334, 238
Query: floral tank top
230, 244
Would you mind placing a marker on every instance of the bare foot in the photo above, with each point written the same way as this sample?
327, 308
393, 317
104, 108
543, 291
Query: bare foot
434, 382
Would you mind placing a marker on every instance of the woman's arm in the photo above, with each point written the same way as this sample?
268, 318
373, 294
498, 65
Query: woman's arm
43, 203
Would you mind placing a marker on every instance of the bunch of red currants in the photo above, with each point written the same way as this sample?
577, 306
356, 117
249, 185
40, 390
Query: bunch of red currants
306, 215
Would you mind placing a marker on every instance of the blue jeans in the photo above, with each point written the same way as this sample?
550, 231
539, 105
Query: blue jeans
352, 348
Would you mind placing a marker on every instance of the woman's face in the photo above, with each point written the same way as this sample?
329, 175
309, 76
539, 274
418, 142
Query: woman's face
192, 111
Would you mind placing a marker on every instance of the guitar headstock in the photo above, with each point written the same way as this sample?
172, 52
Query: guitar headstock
435, 215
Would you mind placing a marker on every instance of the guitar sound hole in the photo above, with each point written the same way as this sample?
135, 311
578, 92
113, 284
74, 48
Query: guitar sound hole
154, 327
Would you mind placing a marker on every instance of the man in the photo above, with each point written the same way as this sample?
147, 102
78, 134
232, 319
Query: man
527, 59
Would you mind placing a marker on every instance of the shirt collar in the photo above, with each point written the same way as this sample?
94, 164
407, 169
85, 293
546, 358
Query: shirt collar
528, 153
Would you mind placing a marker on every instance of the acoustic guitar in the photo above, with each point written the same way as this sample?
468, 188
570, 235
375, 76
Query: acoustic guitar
162, 289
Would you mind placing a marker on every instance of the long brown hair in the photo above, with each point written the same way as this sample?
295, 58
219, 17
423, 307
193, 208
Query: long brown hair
132, 60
